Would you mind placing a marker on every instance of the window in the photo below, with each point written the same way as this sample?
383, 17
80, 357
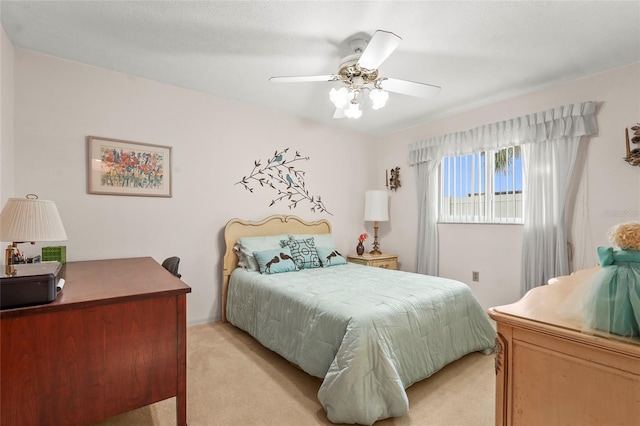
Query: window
484, 187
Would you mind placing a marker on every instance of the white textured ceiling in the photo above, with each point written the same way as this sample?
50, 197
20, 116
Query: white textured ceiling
478, 52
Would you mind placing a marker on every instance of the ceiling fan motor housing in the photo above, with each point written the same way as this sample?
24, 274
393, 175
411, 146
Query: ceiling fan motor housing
349, 69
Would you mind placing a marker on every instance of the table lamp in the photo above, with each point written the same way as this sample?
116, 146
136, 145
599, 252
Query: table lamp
28, 220
376, 209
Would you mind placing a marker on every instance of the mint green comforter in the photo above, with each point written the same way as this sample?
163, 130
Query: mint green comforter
368, 332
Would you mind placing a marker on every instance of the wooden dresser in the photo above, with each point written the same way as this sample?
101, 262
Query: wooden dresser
113, 340
548, 372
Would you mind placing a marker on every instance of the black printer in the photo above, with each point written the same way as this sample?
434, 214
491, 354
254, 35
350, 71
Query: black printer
27, 284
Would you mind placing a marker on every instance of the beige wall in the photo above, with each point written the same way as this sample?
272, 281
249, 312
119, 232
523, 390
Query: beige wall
50, 105
59, 103
6, 118
608, 188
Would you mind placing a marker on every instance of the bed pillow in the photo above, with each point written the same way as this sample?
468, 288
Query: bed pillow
320, 240
275, 261
249, 245
304, 252
330, 257
242, 261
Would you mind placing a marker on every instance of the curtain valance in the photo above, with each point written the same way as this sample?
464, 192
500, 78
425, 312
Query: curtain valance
561, 122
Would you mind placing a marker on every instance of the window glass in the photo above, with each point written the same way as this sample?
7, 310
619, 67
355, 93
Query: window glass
484, 187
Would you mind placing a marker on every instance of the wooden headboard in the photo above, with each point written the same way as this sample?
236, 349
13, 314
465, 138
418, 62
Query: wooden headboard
273, 225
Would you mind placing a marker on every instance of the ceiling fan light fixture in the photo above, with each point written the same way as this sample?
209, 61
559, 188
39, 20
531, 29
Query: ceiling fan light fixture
339, 97
359, 74
357, 81
379, 98
353, 111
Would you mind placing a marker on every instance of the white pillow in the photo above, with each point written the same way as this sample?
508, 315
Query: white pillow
242, 262
320, 240
248, 245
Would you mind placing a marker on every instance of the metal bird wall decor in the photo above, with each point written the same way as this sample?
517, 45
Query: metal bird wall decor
633, 155
280, 174
394, 180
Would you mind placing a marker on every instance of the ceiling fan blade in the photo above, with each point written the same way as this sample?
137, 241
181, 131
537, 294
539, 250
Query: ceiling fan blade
304, 78
381, 45
411, 88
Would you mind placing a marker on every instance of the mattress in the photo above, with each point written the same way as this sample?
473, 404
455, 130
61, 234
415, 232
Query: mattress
369, 333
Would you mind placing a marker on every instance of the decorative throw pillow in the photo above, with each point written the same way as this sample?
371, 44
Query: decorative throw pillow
320, 240
275, 261
249, 245
304, 253
330, 257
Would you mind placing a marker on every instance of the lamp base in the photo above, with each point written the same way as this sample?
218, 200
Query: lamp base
9, 254
376, 246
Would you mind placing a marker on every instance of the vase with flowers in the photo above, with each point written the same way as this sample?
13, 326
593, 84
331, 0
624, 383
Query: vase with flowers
360, 247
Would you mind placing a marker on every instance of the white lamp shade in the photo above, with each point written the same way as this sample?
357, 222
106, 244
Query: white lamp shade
28, 219
353, 111
339, 97
376, 206
379, 98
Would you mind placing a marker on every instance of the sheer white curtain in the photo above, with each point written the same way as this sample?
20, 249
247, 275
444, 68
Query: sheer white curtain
427, 156
427, 185
558, 131
548, 167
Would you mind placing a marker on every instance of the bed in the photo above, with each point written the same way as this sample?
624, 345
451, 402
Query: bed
368, 333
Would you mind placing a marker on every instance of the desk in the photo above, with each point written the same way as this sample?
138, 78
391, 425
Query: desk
548, 372
114, 340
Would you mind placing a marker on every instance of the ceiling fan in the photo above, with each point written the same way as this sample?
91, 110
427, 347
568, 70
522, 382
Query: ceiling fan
359, 73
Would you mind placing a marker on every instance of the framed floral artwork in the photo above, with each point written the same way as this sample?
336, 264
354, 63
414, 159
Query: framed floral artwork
119, 167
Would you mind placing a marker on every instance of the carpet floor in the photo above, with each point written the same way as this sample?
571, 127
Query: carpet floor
233, 380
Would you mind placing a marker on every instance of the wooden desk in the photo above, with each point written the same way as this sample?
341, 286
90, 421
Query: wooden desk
548, 372
114, 340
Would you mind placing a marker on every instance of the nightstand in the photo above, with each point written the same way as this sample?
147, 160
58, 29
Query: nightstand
384, 260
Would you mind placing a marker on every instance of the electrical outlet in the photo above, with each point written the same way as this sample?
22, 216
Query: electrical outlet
475, 276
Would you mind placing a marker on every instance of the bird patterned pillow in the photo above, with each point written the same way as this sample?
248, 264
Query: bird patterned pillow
275, 261
330, 257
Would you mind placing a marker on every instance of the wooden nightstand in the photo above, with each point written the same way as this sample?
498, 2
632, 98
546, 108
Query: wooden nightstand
384, 260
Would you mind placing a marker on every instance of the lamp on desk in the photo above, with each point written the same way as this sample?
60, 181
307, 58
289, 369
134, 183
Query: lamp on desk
376, 209
28, 220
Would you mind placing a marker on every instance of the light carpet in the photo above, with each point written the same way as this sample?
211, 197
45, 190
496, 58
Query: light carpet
233, 380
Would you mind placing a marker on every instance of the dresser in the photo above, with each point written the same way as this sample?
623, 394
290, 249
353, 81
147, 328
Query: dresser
387, 261
549, 372
113, 340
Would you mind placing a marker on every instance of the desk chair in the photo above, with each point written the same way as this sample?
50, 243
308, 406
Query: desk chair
171, 264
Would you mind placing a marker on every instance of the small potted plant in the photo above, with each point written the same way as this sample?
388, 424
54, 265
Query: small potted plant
360, 247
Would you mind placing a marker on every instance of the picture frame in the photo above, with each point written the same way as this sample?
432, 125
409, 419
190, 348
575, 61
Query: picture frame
120, 167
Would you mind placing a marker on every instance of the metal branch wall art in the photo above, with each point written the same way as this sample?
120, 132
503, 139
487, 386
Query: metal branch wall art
394, 182
280, 174
633, 155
